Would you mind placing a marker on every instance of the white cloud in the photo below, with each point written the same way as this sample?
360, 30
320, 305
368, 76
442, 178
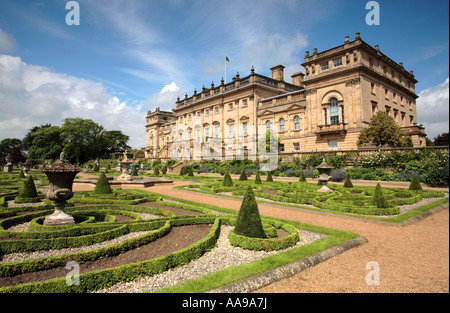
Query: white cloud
433, 109
165, 98
170, 88
6, 42
33, 95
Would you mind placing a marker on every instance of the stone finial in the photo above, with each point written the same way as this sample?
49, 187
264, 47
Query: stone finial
306, 54
401, 64
315, 51
347, 39
357, 36
377, 47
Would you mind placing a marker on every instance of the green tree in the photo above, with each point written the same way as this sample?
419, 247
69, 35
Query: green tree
269, 177
45, 142
248, 222
115, 141
83, 139
13, 147
383, 130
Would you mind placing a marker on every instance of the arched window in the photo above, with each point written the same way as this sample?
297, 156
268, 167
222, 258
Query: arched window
268, 126
151, 141
281, 124
334, 111
296, 122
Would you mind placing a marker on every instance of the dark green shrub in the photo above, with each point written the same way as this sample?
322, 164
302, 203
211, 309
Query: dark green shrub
21, 174
269, 177
302, 177
95, 169
190, 171
378, 198
348, 182
135, 171
29, 193
415, 184
164, 170
258, 179
102, 186
227, 181
243, 176
248, 222
156, 170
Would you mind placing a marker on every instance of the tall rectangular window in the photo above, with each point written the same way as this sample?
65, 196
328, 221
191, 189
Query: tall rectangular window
342, 114
325, 116
244, 126
296, 146
230, 131
324, 66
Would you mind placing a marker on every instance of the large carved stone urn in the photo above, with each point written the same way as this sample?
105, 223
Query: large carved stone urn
60, 176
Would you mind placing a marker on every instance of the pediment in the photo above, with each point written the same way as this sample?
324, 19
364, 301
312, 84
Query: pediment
266, 112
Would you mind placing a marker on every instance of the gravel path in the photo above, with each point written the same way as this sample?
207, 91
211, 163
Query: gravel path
413, 258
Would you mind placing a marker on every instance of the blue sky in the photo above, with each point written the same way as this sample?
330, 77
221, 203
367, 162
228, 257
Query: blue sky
127, 57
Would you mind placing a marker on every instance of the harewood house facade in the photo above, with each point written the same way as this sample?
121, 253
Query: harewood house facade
321, 109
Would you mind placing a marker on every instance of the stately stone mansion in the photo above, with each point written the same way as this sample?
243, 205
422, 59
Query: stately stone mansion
323, 109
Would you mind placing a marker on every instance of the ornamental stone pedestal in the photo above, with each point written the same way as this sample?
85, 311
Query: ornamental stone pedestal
60, 176
324, 176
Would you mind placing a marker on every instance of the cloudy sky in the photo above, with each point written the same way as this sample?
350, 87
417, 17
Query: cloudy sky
130, 56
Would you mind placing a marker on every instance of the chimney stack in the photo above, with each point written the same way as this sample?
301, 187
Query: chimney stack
278, 72
297, 79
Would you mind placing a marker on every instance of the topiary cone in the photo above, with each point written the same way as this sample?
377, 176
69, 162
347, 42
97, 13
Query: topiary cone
258, 179
227, 181
102, 186
29, 189
248, 222
243, 176
269, 177
415, 184
348, 182
378, 199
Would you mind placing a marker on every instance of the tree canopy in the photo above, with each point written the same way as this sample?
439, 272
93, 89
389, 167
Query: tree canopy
383, 130
81, 139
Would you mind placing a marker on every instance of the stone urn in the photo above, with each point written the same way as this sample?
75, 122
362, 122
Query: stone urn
324, 176
60, 175
8, 168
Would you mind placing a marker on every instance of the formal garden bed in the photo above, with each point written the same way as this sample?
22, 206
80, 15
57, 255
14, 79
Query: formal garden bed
121, 236
134, 240
401, 204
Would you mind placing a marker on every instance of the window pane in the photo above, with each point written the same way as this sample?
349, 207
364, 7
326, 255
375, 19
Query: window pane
332, 144
337, 62
334, 111
296, 123
281, 124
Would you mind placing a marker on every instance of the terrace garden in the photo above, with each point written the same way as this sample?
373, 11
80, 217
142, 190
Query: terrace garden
123, 235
